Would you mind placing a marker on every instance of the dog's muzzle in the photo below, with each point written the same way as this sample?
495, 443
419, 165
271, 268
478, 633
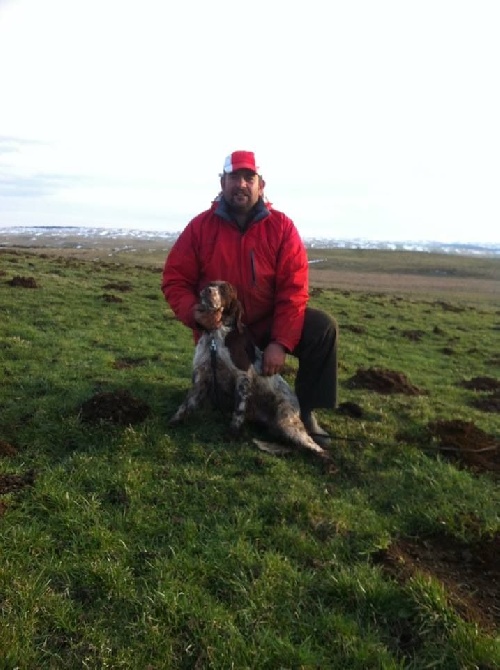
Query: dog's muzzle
211, 298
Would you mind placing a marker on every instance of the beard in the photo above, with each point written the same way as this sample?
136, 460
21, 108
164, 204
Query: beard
241, 201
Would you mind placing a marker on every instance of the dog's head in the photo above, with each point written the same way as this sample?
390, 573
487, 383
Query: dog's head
221, 295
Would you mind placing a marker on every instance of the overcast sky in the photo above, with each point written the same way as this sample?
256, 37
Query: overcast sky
377, 119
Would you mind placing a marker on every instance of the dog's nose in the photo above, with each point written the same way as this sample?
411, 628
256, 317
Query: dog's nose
211, 293
212, 296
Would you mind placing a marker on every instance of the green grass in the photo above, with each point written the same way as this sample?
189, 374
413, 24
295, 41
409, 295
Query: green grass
407, 262
144, 547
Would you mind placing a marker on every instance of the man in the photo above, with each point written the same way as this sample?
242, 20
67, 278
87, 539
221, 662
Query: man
242, 239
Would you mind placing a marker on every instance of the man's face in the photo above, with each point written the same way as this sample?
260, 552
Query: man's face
241, 189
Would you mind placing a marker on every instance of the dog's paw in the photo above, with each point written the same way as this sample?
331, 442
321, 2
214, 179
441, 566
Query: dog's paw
272, 447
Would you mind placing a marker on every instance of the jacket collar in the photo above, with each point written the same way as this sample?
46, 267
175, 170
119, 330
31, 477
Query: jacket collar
258, 212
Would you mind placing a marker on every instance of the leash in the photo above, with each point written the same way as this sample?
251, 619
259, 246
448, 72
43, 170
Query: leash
213, 364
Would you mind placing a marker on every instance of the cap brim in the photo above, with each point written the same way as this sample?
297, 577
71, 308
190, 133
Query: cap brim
242, 166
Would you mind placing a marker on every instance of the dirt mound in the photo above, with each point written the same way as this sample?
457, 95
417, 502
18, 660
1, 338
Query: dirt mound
490, 402
7, 449
109, 297
481, 384
10, 483
463, 442
448, 307
128, 362
124, 287
351, 409
487, 403
384, 381
118, 407
354, 328
413, 335
23, 282
469, 572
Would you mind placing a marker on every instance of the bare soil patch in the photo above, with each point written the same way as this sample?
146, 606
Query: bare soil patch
380, 282
123, 287
351, 409
9, 482
118, 407
487, 403
487, 398
466, 445
468, 571
12, 483
6, 449
23, 282
413, 335
383, 381
481, 384
128, 362
110, 297
354, 328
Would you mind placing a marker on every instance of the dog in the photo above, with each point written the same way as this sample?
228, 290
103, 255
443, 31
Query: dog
227, 369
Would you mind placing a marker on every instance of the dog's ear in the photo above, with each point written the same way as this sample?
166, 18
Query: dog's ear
238, 316
234, 314
228, 294
232, 306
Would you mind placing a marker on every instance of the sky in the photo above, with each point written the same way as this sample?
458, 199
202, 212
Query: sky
372, 119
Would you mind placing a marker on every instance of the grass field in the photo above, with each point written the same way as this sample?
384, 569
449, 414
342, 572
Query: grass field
127, 544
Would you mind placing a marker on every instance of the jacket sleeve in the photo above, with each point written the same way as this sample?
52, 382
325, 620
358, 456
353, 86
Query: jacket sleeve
292, 288
180, 277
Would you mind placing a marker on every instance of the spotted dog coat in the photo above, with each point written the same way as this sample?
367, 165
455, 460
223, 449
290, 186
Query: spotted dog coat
227, 370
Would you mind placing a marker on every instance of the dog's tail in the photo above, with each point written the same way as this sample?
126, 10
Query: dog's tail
276, 449
290, 428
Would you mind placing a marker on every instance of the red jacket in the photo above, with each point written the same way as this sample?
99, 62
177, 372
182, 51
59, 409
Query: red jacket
267, 263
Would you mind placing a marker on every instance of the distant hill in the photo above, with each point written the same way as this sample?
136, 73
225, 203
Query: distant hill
70, 236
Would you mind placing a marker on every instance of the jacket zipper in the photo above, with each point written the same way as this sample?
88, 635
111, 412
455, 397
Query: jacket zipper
252, 267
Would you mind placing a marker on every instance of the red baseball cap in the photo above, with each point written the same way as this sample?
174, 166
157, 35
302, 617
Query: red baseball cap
240, 160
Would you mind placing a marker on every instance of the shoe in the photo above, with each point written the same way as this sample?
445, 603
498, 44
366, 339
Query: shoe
317, 433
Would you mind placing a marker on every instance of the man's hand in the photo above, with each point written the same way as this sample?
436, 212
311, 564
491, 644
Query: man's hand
274, 359
207, 319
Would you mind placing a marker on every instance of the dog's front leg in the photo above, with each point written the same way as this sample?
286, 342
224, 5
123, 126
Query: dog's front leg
241, 394
196, 395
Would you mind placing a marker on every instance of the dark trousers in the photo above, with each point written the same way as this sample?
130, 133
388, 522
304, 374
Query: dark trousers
316, 381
